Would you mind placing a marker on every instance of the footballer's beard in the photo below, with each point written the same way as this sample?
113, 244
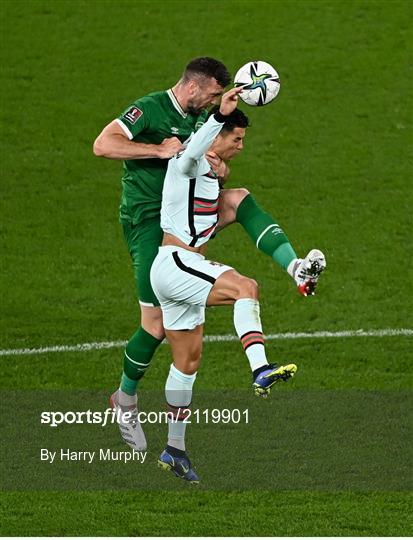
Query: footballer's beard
194, 108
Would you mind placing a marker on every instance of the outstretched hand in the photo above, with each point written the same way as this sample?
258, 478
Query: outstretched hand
229, 101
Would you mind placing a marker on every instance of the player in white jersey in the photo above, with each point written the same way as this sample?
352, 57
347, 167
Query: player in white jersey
185, 282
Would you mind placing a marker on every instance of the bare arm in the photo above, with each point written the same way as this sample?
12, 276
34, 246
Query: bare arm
113, 143
204, 137
199, 144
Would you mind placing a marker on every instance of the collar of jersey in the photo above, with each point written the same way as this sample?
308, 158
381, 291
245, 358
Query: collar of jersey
176, 104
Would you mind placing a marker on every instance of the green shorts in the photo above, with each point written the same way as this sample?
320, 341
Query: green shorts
143, 241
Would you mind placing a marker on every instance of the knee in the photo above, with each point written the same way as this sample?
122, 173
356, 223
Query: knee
242, 193
239, 196
232, 198
153, 324
247, 288
156, 329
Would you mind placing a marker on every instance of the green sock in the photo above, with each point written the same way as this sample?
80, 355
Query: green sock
264, 231
136, 359
128, 385
284, 254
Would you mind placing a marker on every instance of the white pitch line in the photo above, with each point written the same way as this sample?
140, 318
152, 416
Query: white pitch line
96, 346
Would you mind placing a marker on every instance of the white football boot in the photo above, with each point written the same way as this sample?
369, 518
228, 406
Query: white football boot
307, 271
131, 431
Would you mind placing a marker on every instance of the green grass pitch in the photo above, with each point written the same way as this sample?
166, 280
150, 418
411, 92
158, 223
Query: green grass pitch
330, 159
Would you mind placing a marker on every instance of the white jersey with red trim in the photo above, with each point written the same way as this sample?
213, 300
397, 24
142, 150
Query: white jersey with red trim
190, 193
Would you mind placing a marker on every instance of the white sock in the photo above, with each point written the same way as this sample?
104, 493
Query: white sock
126, 400
247, 324
293, 266
178, 392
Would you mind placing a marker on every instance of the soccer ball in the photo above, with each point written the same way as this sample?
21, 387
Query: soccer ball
260, 81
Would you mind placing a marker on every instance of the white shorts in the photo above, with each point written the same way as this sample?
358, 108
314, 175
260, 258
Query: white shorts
182, 281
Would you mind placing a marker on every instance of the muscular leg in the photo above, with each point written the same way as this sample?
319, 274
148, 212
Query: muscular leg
140, 350
151, 321
238, 205
143, 242
186, 348
229, 201
233, 288
230, 287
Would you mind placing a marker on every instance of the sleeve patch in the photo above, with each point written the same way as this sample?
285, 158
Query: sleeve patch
133, 115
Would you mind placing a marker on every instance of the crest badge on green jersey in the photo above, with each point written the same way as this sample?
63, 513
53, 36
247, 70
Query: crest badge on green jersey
133, 115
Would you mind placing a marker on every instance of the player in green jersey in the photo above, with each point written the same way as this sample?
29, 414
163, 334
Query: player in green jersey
145, 136
149, 132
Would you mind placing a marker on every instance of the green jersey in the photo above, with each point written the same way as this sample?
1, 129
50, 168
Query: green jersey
150, 120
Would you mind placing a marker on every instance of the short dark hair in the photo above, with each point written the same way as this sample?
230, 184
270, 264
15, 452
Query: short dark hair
236, 119
207, 67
